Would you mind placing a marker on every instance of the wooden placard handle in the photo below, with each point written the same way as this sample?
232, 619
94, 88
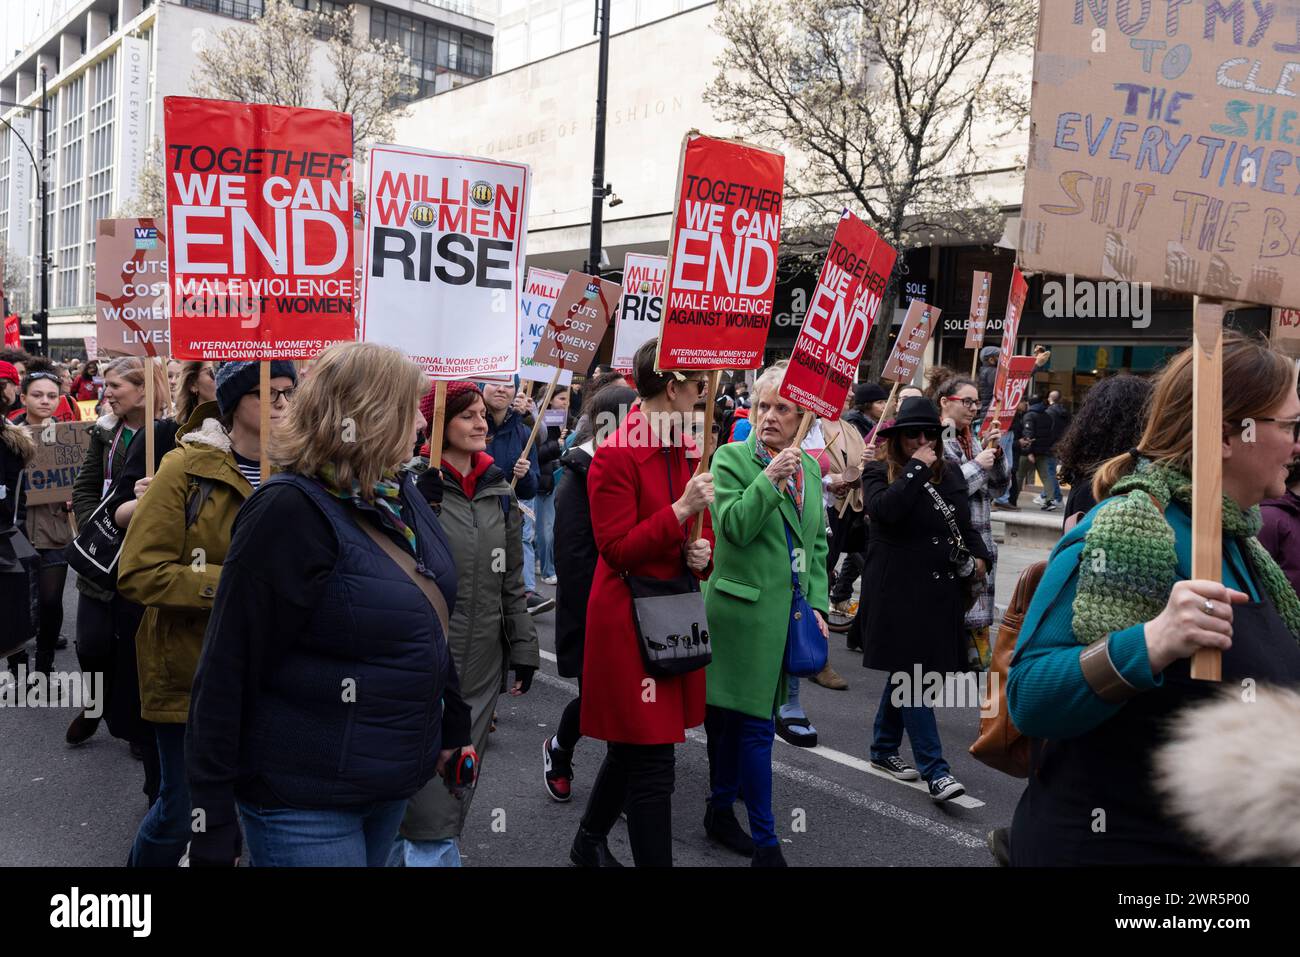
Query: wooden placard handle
537, 422
264, 408
436, 424
706, 454
1207, 463
150, 399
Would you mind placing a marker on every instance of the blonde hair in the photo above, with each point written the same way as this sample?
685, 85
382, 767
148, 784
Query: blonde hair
131, 368
1256, 380
770, 378
356, 411
186, 397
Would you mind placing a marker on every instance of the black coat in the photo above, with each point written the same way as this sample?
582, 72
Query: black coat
916, 609
549, 450
1039, 430
861, 421
575, 561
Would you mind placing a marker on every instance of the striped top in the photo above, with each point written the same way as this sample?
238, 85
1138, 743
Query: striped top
251, 469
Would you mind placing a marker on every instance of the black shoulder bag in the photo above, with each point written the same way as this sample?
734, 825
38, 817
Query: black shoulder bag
960, 557
672, 628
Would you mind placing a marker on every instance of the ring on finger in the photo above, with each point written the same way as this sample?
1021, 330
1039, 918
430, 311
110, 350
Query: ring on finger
1208, 607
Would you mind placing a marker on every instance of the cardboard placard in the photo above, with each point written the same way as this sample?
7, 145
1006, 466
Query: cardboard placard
1010, 329
259, 222
445, 239
1285, 333
60, 450
92, 346
840, 316
909, 348
981, 287
541, 289
1020, 372
1163, 147
581, 314
722, 255
131, 288
640, 308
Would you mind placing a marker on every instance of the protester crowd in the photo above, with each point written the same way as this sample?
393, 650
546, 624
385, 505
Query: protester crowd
313, 661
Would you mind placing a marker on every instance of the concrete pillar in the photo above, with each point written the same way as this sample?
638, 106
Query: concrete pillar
69, 50
24, 85
128, 10
96, 28
51, 65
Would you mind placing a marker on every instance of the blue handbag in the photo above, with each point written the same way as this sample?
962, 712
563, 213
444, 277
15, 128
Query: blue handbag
805, 647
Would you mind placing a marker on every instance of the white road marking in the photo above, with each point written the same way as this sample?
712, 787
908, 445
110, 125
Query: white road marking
855, 798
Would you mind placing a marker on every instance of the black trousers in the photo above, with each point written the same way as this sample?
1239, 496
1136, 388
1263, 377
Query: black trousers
638, 779
106, 644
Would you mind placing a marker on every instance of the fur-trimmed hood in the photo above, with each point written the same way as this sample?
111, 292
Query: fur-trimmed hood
1230, 773
210, 432
18, 441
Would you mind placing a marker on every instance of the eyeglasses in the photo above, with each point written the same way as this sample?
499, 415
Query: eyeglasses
1294, 423
969, 403
278, 394
931, 434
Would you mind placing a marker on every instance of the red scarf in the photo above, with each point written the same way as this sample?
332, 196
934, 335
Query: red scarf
479, 463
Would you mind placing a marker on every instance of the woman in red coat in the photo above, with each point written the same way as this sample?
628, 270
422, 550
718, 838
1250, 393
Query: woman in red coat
643, 503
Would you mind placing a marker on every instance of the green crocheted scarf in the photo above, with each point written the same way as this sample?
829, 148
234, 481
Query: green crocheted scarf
1129, 563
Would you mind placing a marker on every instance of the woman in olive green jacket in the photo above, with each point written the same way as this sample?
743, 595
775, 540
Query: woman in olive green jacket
762, 486
171, 562
490, 628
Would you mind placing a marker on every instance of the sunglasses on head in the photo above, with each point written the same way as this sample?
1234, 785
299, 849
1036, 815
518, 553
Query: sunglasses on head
931, 434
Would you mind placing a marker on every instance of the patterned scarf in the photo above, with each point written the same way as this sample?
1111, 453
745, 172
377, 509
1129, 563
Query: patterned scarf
1132, 584
793, 485
387, 501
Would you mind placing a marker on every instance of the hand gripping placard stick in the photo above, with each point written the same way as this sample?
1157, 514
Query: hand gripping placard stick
1207, 462
537, 420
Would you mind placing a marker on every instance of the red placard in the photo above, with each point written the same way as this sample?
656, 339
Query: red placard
843, 309
1020, 370
13, 332
722, 256
1015, 306
259, 215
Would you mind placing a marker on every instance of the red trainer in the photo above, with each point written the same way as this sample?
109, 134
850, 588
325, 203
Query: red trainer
558, 768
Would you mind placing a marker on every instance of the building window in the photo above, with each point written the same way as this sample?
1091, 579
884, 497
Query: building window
239, 9
433, 49
99, 159
72, 102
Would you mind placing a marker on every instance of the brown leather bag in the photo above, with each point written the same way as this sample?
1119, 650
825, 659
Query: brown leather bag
1000, 744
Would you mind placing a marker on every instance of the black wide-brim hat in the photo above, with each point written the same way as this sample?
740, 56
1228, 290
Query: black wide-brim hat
916, 412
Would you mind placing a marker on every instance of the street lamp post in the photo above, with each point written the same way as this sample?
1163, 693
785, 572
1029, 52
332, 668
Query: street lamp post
42, 317
598, 188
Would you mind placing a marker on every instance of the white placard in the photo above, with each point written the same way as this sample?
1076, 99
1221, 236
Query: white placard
639, 308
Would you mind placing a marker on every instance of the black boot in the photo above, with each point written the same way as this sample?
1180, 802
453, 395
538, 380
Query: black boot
768, 857
723, 827
591, 851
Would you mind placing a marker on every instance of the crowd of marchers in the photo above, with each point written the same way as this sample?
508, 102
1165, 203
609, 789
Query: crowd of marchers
308, 665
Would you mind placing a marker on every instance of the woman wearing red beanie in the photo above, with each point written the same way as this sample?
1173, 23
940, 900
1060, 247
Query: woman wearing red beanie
491, 631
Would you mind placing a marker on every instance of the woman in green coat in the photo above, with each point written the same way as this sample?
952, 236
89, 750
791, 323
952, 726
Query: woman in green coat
490, 628
762, 486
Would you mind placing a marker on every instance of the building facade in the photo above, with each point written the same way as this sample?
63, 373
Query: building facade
108, 64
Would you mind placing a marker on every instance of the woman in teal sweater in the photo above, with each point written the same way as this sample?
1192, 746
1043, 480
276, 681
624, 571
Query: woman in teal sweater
763, 486
1102, 661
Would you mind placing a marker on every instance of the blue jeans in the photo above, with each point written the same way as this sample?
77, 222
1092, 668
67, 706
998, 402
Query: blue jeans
406, 853
1046, 466
744, 760
530, 571
922, 730
321, 837
165, 830
544, 533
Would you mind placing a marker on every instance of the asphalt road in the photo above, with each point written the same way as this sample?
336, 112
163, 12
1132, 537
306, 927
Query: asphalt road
60, 806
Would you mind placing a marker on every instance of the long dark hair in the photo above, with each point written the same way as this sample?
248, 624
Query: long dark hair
896, 459
1109, 423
